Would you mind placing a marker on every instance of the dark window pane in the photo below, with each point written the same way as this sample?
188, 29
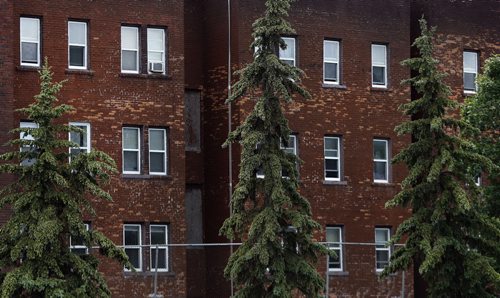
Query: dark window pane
158, 235
29, 52
379, 149
289, 62
130, 161
379, 170
133, 256
76, 56
132, 235
79, 251
334, 262
331, 164
382, 259
129, 60
162, 258
331, 72
470, 81
378, 75
157, 162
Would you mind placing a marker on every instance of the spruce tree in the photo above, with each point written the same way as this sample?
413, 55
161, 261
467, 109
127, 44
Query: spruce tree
48, 197
483, 112
453, 243
274, 221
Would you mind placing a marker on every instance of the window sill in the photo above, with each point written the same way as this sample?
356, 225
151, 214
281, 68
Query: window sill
469, 93
334, 86
338, 273
145, 76
380, 89
146, 176
28, 68
383, 184
79, 71
147, 273
339, 183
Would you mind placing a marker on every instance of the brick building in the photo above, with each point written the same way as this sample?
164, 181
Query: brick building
149, 81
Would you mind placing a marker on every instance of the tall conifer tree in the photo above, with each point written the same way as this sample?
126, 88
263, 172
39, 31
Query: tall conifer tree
48, 197
453, 243
278, 254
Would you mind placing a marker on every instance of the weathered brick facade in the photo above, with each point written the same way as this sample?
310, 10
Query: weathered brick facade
193, 198
109, 100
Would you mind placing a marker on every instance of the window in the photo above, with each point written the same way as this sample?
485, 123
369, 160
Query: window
132, 241
288, 55
82, 139
77, 45
477, 179
159, 238
331, 62
156, 50
130, 49
291, 148
470, 72
131, 150
77, 244
380, 161
27, 148
379, 65
157, 151
30, 41
334, 236
382, 253
332, 158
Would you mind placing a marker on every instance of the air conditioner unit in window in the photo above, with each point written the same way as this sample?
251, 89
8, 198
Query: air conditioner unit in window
156, 67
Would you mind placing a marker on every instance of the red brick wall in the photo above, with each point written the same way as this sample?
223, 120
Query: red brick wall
358, 113
108, 100
6, 86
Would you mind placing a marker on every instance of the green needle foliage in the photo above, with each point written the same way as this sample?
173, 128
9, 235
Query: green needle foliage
278, 254
451, 240
483, 112
48, 199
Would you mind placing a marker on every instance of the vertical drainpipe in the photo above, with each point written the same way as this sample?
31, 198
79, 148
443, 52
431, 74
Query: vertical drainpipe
229, 122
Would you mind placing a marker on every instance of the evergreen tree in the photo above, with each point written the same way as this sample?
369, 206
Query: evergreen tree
278, 254
453, 243
483, 112
48, 197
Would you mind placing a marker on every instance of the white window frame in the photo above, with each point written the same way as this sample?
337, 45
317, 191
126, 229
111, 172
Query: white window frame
477, 180
158, 151
337, 246
138, 247
338, 158
471, 70
293, 42
87, 127
152, 247
26, 124
384, 248
331, 60
162, 52
136, 29
381, 160
73, 247
138, 150
21, 40
85, 47
294, 137
384, 65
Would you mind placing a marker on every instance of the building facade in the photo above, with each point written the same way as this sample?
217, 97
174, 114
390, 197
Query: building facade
149, 80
